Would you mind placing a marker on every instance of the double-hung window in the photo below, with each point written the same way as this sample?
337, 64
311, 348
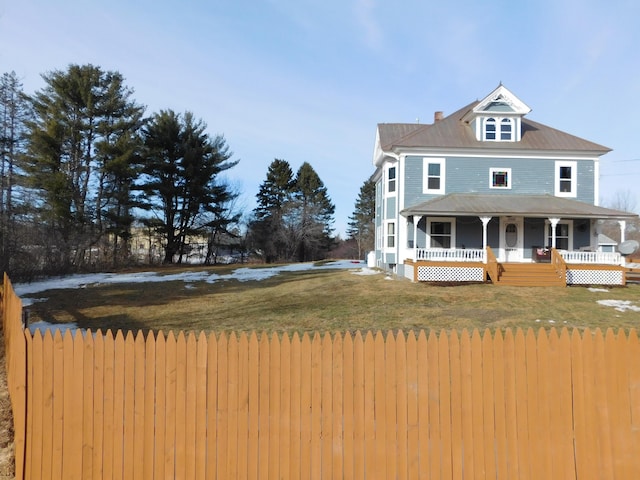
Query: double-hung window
564, 237
433, 178
391, 235
490, 129
441, 232
566, 179
391, 181
506, 130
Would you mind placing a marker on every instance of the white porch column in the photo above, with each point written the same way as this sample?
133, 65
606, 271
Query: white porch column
554, 224
623, 227
485, 221
416, 221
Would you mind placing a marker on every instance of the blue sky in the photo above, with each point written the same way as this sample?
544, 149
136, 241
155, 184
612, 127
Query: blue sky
305, 80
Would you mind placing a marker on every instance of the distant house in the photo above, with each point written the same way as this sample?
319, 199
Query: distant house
485, 194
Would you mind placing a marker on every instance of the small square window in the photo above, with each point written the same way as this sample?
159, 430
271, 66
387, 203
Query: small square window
500, 178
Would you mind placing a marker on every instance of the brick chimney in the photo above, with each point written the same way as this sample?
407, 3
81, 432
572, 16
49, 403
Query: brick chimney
437, 116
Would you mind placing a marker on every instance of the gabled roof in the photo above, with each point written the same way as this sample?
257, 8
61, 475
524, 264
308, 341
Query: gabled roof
453, 132
543, 206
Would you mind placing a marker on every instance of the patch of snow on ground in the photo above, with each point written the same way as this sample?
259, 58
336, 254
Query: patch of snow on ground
44, 326
620, 305
591, 289
366, 271
243, 274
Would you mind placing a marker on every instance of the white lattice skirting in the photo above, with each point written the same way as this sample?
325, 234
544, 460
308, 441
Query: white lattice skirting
595, 277
450, 274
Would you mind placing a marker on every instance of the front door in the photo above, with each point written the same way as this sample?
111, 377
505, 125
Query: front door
511, 239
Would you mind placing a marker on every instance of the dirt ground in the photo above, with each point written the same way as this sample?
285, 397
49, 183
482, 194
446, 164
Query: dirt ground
6, 420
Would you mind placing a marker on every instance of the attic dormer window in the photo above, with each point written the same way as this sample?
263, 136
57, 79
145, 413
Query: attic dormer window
506, 130
490, 129
498, 129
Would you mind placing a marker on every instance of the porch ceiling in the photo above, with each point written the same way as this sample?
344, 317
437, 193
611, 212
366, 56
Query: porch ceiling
472, 204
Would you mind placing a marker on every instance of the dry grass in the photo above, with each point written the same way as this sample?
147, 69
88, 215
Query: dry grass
331, 300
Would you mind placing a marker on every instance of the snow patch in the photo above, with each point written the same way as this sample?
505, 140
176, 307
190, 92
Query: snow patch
620, 305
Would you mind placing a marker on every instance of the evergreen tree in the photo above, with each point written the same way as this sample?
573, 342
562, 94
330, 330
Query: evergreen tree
267, 230
80, 117
310, 220
180, 182
361, 223
14, 113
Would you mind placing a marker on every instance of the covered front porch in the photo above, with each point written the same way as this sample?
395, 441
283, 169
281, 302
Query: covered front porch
472, 237
481, 266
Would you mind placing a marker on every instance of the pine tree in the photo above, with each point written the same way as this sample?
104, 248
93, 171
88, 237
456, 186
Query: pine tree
180, 182
268, 235
361, 222
80, 116
310, 220
14, 113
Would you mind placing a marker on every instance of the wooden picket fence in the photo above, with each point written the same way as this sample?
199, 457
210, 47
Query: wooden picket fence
448, 405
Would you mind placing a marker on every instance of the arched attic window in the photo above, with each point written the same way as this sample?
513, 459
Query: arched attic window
490, 129
506, 130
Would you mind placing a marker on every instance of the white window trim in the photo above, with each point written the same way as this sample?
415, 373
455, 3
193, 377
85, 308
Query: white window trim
389, 235
452, 220
498, 131
492, 170
574, 178
425, 175
547, 232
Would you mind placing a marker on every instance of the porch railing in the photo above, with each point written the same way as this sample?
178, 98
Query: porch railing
559, 264
602, 258
450, 254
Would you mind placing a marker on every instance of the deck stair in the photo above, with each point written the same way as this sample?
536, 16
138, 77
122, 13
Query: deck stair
529, 275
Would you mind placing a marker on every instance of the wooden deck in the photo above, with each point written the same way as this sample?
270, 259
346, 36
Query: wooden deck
523, 274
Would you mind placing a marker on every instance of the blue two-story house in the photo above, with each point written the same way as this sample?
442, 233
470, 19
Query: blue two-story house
485, 194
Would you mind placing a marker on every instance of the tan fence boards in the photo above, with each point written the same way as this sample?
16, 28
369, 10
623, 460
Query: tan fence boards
513, 404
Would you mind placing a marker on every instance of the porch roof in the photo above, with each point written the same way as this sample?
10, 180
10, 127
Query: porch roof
484, 205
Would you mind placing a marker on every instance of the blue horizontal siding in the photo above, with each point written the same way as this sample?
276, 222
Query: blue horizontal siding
471, 175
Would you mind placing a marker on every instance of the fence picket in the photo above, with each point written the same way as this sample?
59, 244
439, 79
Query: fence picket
358, 407
633, 386
423, 405
305, 407
369, 405
161, 398
222, 412
150, 388
509, 359
36, 394
98, 402
232, 406
85, 354
402, 406
243, 406
543, 423
253, 406
191, 410
128, 460
455, 413
263, 405
326, 421
47, 406
478, 405
500, 402
180, 447
444, 387
274, 406
603, 413
285, 407
466, 404
413, 445
337, 447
